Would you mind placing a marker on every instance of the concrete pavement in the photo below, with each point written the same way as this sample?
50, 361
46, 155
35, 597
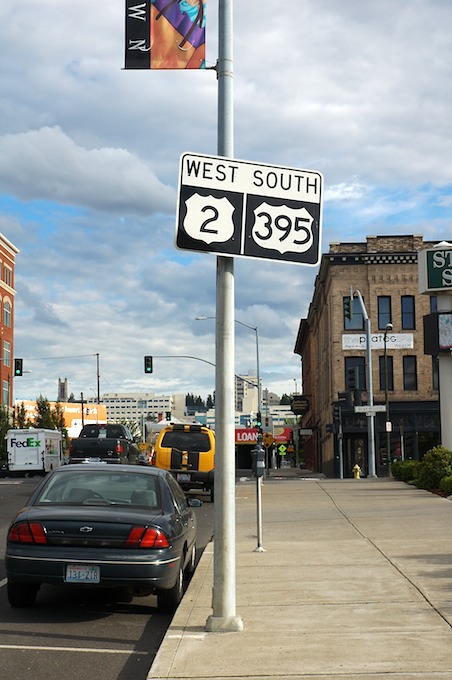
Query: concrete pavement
355, 583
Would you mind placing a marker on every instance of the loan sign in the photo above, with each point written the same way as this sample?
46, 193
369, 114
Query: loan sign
242, 209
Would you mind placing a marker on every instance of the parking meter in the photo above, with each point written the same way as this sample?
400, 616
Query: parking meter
258, 461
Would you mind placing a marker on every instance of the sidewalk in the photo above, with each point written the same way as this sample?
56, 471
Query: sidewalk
355, 584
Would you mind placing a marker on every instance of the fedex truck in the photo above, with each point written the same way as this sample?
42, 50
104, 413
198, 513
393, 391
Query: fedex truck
33, 450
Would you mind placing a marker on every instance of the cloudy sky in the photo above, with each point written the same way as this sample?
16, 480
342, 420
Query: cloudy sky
358, 90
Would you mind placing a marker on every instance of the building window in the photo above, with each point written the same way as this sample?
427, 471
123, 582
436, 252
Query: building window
351, 363
7, 314
356, 323
8, 276
382, 373
6, 353
409, 373
408, 316
433, 303
6, 392
435, 373
384, 311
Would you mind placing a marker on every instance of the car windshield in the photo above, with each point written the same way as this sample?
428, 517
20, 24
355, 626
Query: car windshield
91, 487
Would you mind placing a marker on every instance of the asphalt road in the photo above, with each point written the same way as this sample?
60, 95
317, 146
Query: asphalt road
76, 635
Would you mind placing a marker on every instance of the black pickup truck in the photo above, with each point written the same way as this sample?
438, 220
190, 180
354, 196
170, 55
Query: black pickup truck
104, 444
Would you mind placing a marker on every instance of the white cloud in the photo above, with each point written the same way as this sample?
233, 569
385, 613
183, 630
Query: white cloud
47, 165
89, 157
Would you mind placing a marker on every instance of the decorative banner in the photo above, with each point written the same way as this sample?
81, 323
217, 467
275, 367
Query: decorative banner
165, 34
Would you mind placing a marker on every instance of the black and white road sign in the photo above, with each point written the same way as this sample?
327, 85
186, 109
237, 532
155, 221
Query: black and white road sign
243, 209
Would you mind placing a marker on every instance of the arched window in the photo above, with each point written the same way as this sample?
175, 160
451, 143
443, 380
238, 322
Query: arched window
7, 314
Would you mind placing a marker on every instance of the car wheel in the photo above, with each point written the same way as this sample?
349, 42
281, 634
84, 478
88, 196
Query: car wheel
190, 568
22, 594
168, 600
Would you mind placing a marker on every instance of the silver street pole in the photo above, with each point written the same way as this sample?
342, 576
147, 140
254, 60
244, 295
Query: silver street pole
370, 393
223, 617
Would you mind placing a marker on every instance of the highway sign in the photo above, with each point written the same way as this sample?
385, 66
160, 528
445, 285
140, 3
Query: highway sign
379, 408
243, 209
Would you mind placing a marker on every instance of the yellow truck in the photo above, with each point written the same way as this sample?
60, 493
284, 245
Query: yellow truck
188, 452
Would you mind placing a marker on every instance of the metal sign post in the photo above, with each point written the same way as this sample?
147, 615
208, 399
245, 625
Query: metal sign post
224, 617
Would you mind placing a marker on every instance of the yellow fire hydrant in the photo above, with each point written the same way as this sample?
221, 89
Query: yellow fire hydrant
356, 471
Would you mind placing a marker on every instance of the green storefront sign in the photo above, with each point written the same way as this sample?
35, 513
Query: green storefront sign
435, 269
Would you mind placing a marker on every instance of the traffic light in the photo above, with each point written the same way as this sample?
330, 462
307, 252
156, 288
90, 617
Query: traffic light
18, 366
148, 364
258, 420
348, 307
266, 421
353, 378
336, 413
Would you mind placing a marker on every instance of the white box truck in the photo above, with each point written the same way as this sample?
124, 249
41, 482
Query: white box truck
33, 450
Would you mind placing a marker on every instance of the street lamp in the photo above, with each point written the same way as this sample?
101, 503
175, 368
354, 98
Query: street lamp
255, 329
388, 328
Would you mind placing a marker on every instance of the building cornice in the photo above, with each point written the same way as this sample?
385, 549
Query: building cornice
7, 243
371, 258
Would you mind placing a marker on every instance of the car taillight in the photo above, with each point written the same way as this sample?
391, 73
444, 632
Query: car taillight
27, 532
119, 447
146, 537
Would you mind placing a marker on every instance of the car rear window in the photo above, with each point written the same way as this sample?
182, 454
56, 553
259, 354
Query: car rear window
102, 431
98, 488
186, 441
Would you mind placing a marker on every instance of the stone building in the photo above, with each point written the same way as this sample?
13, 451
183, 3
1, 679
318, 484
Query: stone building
337, 373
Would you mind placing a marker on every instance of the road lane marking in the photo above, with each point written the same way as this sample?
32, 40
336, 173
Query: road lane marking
74, 649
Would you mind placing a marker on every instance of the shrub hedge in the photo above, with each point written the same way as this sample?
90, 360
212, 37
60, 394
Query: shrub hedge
433, 472
445, 485
435, 465
405, 470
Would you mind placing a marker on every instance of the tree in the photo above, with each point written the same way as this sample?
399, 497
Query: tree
51, 418
60, 424
209, 402
285, 400
43, 416
6, 422
20, 417
134, 427
195, 402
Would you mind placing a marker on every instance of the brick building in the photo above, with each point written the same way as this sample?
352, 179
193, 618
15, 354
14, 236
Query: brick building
8, 254
335, 366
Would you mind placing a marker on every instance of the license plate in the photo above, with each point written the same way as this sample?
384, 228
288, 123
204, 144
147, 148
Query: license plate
182, 477
82, 573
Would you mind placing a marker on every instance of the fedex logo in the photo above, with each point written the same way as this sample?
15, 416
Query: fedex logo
29, 442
